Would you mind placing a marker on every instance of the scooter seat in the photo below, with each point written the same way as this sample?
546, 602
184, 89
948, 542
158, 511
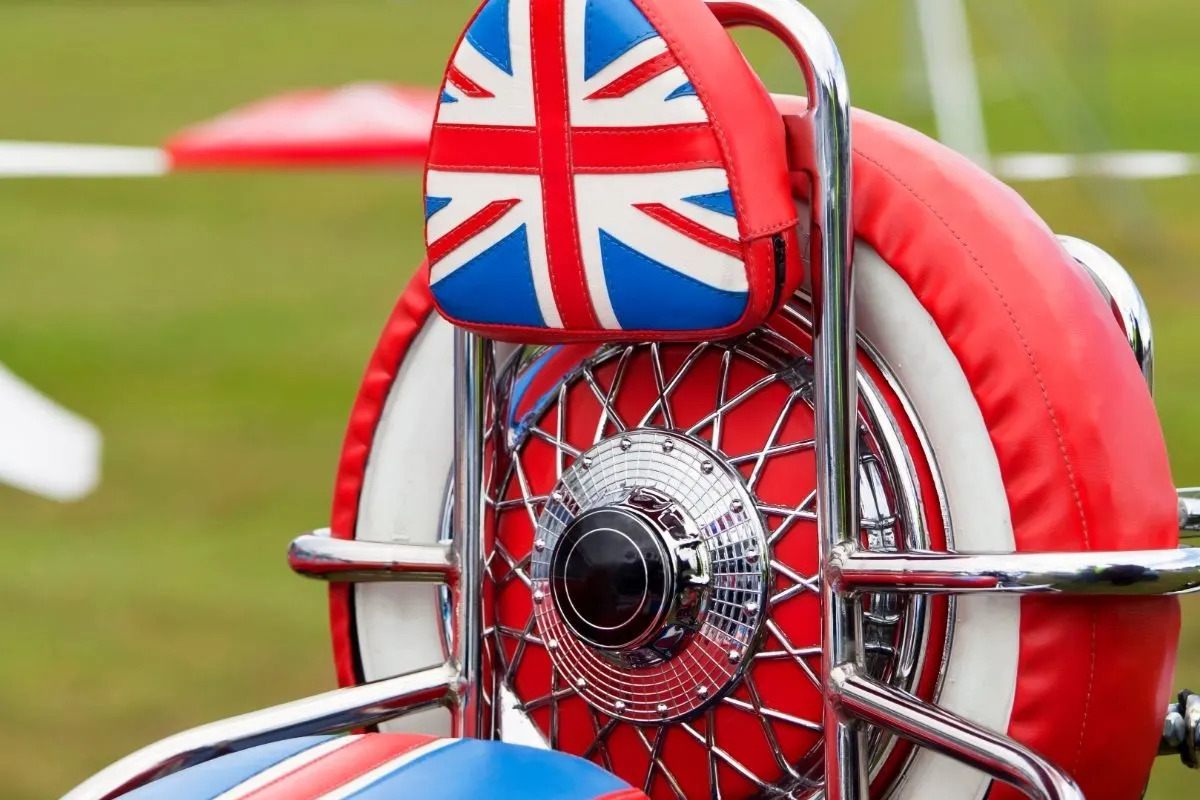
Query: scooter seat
381, 766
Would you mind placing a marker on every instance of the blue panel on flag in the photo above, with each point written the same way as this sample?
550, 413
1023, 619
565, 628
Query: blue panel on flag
611, 28
648, 295
720, 202
448, 98
686, 90
435, 204
489, 34
471, 769
218, 776
495, 287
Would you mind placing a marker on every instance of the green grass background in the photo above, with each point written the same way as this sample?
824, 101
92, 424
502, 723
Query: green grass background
215, 326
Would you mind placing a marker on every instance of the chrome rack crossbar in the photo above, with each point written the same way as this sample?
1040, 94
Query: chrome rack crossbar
317, 555
1136, 572
332, 712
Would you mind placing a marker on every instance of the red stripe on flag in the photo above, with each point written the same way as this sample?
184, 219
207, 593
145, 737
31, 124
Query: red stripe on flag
552, 112
316, 778
690, 228
480, 148
468, 87
660, 149
478, 222
638, 76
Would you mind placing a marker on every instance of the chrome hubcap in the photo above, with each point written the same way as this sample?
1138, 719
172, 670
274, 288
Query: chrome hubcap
647, 575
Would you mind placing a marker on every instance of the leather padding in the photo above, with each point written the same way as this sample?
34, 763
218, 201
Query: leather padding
551, 284
1073, 424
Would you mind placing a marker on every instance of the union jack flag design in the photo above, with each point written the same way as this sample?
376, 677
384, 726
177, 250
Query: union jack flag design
574, 178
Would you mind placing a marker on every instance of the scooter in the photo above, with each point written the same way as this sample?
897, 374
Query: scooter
728, 445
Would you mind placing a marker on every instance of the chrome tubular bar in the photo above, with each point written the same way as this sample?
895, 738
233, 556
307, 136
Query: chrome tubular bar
318, 555
1139, 572
951, 735
1189, 512
333, 712
1122, 296
471, 373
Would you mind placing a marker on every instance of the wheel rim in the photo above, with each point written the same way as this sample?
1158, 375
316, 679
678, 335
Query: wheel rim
756, 719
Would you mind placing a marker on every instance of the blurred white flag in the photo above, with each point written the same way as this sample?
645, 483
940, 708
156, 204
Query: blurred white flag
45, 449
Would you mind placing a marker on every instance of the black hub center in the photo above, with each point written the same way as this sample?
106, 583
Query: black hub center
609, 577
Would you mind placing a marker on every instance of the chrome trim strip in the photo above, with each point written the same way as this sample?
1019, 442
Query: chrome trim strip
332, 712
1138, 572
317, 555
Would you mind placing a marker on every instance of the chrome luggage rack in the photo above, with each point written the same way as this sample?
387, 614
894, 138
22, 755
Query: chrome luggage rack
853, 700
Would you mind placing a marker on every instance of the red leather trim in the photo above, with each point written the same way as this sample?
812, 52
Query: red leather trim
468, 87
638, 76
629, 150
741, 112
481, 148
743, 118
481, 220
315, 779
1073, 425
693, 230
548, 54
410, 314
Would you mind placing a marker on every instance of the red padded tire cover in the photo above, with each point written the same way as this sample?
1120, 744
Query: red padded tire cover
1073, 425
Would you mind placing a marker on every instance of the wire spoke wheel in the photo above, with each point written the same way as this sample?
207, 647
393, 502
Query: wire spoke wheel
653, 557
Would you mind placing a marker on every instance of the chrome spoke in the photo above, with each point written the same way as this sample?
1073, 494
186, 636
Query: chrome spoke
554, 689
756, 708
727, 759
526, 637
547, 699
796, 654
607, 412
733, 403
660, 386
777, 450
770, 713
560, 441
560, 446
678, 377
600, 742
802, 584
710, 741
656, 763
776, 429
722, 395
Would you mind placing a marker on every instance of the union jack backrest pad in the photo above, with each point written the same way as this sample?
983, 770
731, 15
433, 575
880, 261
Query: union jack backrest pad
606, 169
